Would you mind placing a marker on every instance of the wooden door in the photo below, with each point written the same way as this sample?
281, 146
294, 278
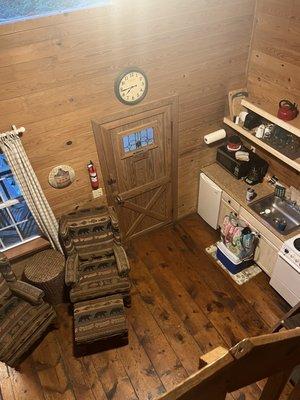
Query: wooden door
138, 157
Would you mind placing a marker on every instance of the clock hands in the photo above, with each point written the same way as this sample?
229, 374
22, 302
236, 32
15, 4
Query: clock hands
128, 89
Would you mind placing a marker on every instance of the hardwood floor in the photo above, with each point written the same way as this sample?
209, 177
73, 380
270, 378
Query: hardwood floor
183, 305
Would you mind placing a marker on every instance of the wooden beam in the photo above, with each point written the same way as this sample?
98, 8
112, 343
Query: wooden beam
275, 385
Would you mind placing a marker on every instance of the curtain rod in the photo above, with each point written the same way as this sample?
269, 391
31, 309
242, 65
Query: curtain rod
14, 129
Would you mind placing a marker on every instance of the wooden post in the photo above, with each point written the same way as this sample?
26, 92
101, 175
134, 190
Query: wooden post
275, 385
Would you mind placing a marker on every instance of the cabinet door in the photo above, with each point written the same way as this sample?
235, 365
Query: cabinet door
259, 227
266, 255
225, 209
230, 201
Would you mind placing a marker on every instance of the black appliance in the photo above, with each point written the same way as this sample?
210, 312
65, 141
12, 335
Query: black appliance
241, 169
252, 120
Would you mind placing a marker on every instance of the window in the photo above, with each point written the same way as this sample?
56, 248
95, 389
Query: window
137, 140
12, 10
17, 224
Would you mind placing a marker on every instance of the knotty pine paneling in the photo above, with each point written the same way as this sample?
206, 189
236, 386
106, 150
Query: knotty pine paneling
57, 73
274, 64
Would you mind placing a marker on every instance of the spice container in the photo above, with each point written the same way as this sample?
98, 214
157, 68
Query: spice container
250, 195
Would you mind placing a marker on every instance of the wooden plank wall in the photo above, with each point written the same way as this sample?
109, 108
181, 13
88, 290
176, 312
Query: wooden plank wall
57, 73
274, 63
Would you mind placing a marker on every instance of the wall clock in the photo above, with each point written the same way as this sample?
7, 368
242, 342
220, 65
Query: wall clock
131, 86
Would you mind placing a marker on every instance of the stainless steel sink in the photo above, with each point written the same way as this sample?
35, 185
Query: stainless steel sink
280, 214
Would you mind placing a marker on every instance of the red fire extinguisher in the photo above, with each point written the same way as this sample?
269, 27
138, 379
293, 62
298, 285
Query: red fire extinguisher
93, 175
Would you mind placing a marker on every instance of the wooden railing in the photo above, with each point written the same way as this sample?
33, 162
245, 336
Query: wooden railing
272, 356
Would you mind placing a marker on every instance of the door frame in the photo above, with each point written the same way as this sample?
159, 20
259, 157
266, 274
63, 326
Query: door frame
134, 111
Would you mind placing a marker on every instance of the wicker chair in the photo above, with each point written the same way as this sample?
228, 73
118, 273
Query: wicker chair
96, 263
24, 316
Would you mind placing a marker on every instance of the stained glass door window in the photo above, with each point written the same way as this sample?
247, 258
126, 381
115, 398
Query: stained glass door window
17, 224
137, 140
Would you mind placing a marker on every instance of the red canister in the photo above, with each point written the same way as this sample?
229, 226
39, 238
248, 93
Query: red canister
93, 175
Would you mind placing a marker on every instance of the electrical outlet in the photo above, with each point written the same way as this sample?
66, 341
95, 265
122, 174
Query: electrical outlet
252, 148
97, 193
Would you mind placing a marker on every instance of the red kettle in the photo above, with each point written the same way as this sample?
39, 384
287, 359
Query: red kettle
287, 110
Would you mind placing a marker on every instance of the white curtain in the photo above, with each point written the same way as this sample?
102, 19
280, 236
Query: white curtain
13, 149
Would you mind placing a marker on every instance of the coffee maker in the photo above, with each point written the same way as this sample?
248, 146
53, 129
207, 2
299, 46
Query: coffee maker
257, 171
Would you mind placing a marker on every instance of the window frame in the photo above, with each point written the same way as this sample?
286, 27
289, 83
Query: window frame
5, 205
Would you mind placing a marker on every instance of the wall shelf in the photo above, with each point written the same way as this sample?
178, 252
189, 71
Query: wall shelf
292, 163
291, 126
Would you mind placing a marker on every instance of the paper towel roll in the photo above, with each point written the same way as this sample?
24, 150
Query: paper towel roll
215, 136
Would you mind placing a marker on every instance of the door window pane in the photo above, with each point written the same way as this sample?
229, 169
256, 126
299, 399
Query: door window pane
137, 140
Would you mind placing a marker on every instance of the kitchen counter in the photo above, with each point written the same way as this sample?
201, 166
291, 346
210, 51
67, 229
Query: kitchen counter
237, 189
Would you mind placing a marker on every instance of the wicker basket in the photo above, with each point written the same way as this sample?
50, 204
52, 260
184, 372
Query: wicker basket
45, 270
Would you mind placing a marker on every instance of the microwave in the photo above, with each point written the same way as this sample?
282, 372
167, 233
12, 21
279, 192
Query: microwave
238, 168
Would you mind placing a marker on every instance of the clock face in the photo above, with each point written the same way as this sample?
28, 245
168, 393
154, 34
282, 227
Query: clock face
131, 86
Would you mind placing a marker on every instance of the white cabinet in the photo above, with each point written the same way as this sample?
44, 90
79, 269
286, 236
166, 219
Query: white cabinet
209, 200
266, 255
225, 209
286, 280
230, 201
266, 252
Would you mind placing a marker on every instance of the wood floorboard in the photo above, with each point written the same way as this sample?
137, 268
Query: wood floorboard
139, 368
195, 321
164, 359
183, 305
74, 369
173, 328
219, 312
268, 304
6, 389
223, 286
114, 378
159, 240
25, 383
51, 370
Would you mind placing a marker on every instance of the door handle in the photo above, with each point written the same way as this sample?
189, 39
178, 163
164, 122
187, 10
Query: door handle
119, 200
